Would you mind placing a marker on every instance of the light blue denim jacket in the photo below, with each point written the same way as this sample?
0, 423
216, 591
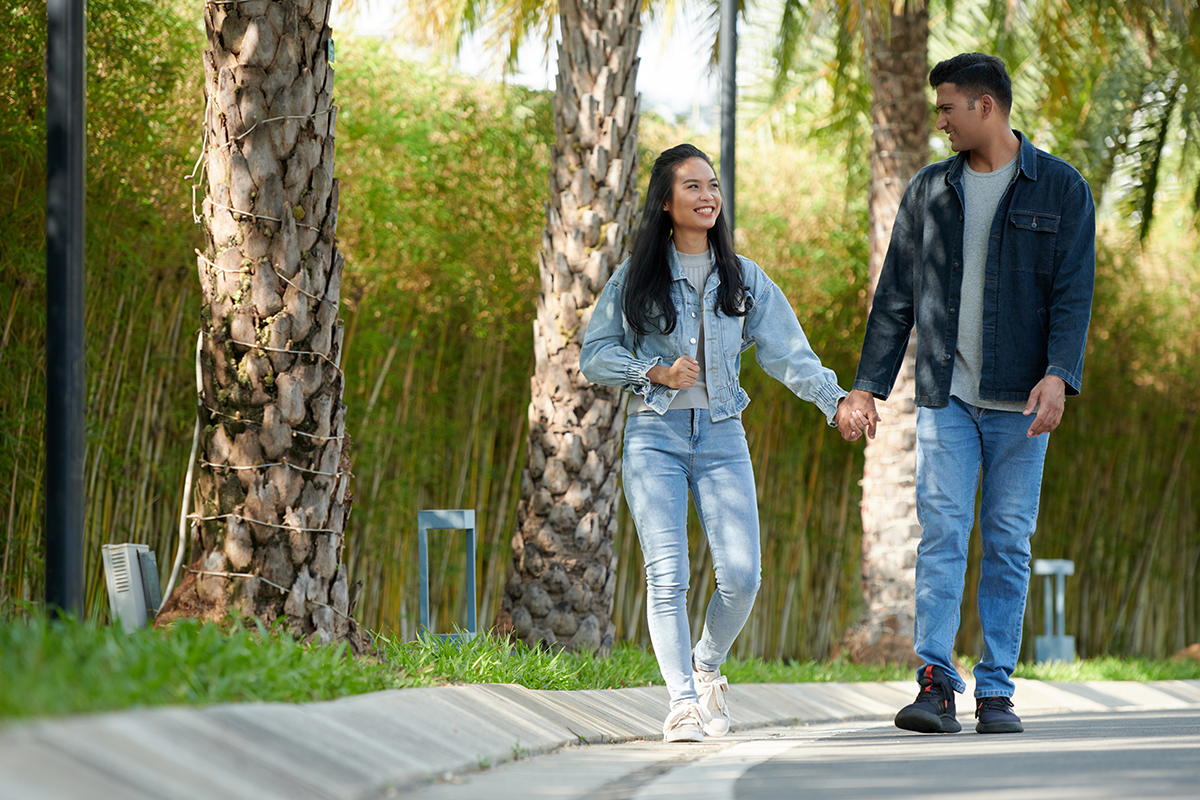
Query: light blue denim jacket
614, 355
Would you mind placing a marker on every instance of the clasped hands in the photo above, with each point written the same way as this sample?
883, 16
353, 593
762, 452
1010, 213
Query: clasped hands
856, 415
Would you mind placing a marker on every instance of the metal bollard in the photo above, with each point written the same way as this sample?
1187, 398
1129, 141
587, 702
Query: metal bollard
457, 519
1055, 645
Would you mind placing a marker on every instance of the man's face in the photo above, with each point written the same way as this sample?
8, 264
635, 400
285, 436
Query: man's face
960, 118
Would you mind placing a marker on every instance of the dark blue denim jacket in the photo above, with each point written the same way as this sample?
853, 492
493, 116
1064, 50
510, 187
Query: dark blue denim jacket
1041, 268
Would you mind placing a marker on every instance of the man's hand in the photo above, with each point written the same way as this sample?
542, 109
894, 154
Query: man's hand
1048, 398
680, 375
856, 413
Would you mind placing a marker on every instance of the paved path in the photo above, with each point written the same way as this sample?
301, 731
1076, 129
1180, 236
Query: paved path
1118, 755
393, 743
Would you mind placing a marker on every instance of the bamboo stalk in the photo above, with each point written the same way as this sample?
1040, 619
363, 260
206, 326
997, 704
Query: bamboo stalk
12, 497
12, 310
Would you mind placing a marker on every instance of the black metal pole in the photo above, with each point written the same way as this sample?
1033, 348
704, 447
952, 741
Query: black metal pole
66, 158
728, 56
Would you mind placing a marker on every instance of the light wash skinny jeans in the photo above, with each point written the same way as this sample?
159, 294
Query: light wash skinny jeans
665, 456
954, 444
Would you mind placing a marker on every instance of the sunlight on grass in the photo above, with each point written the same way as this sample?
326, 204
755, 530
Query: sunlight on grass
1112, 669
72, 667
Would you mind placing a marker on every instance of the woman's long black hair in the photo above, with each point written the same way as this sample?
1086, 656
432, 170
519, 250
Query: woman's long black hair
647, 303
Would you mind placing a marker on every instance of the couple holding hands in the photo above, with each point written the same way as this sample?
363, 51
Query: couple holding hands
991, 262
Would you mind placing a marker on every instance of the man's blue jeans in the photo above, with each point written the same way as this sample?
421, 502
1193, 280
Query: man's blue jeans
953, 445
665, 457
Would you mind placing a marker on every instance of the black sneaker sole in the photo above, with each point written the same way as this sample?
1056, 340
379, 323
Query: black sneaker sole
914, 719
1000, 727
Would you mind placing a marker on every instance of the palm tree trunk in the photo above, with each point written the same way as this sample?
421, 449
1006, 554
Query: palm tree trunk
272, 493
897, 54
560, 587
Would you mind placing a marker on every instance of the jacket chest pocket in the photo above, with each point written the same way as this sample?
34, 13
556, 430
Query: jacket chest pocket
1034, 240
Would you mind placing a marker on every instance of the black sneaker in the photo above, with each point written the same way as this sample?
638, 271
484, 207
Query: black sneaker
933, 710
995, 715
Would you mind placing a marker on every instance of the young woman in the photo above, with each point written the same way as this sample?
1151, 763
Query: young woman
670, 327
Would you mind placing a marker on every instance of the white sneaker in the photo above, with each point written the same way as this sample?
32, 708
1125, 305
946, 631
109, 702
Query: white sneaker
714, 710
683, 724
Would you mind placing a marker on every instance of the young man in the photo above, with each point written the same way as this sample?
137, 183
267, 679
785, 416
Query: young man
992, 261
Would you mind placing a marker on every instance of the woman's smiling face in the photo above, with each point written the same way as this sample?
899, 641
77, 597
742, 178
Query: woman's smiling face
695, 197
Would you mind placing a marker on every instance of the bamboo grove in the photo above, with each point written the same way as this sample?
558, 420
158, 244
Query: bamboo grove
443, 181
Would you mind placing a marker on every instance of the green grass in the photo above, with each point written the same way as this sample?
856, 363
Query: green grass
70, 667
488, 659
1113, 669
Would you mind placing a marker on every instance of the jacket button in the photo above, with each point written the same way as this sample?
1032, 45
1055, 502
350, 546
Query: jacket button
945, 356
693, 341
693, 315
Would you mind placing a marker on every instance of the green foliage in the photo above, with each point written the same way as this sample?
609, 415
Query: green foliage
441, 178
1112, 669
71, 667
143, 72
442, 184
757, 670
443, 181
494, 659
491, 659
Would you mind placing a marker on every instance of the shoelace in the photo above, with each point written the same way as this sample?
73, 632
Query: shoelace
690, 714
992, 704
936, 692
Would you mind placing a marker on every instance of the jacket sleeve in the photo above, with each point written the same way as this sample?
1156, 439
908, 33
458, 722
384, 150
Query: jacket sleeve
608, 356
783, 350
892, 309
1070, 309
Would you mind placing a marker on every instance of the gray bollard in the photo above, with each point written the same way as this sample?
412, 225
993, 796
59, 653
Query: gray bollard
453, 519
1055, 645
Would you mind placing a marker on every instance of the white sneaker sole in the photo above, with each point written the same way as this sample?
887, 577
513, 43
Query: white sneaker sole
688, 734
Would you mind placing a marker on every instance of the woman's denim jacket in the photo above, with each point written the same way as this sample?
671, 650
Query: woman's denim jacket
1037, 302
613, 355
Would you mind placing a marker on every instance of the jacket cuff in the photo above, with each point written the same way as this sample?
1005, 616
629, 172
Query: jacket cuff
636, 369
1067, 378
877, 389
827, 399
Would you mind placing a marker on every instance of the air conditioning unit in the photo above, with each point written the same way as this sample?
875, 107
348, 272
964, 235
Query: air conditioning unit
131, 572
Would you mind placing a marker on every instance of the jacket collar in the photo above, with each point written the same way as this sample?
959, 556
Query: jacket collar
1026, 161
676, 267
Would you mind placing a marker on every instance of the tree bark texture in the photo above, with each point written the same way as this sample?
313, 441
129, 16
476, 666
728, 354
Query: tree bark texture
272, 494
561, 585
898, 62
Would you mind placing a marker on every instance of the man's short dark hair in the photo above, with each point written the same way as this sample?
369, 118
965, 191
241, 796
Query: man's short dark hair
975, 74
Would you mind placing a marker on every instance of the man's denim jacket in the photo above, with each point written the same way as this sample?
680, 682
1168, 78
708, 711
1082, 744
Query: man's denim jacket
1041, 267
614, 355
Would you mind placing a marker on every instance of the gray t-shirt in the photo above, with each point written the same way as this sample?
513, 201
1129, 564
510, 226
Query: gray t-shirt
982, 192
696, 267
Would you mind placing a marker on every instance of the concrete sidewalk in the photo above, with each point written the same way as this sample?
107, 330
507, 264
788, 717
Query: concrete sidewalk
385, 743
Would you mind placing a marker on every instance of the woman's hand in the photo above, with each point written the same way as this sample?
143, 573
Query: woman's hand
856, 415
680, 375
